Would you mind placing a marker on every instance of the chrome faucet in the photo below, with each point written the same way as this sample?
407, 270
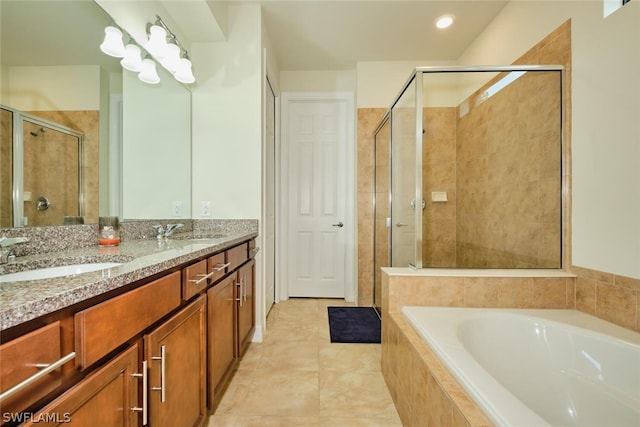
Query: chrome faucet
166, 231
7, 250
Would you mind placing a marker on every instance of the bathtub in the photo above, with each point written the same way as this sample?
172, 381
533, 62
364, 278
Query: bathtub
529, 368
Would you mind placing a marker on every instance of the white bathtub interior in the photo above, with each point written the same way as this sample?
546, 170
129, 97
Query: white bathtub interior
538, 367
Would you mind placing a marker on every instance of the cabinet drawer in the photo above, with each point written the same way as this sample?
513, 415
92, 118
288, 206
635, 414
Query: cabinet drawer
103, 327
216, 265
237, 255
194, 279
23, 358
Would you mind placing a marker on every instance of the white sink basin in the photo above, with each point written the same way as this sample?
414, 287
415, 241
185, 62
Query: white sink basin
50, 272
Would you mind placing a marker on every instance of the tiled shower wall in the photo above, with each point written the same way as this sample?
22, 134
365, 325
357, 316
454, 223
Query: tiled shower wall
439, 175
508, 177
87, 122
368, 120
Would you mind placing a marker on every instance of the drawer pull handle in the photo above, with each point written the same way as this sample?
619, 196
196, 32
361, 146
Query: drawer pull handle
145, 383
220, 267
163, 370
48, 368
202, 278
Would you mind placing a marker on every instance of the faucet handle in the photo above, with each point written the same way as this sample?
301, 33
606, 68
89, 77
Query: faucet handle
159, 231
171, 228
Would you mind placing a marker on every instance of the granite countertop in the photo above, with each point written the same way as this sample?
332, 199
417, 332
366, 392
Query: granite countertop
27, 300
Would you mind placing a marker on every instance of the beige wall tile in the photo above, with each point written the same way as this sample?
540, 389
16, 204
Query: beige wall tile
617, 305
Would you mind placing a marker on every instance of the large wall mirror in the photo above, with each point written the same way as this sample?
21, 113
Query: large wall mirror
78, 130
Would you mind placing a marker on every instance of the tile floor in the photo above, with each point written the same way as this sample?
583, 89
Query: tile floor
297, 377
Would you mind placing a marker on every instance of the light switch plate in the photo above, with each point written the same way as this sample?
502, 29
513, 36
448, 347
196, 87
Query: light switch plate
177, 208
206, 208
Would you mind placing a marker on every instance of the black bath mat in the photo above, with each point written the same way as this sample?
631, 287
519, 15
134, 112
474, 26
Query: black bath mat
354, 325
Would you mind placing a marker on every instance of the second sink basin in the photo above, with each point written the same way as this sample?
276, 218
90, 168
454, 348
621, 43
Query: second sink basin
51, 272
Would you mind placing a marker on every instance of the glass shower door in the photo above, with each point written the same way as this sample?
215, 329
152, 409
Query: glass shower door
51, 181
403, 179
382, 208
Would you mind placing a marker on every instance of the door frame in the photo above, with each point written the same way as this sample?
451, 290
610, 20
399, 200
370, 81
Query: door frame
282, 220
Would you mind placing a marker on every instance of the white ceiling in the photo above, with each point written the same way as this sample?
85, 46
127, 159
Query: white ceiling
305, 34
334, 35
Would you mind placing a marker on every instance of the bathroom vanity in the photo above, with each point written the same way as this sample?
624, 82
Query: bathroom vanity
149, 342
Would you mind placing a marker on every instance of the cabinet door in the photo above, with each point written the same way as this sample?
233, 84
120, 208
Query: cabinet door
245, 294
105, 398
175, 353
221, 329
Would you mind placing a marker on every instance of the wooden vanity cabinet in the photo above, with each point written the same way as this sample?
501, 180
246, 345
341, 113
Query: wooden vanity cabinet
245, 305
185, 333
24, 358
175, 353
195, 279
105, 398
105, 326
221, 315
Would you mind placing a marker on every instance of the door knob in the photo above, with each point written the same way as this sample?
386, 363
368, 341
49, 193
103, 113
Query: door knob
340, 224
401, 225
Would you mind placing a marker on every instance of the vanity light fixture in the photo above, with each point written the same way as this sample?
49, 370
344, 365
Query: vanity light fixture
170, 54
112, 44
184, 74
148, 74
132, 60
171, 60
157, 43
444, 21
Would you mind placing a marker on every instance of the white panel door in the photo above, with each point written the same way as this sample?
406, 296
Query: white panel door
317, 136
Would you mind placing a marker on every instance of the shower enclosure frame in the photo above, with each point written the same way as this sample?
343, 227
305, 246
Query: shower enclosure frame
386, 119
417, 78
18, 159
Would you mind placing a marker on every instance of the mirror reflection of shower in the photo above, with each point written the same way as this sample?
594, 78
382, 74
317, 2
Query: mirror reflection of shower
41, 160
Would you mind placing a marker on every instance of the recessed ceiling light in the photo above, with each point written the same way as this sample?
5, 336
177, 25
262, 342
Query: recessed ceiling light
444, 21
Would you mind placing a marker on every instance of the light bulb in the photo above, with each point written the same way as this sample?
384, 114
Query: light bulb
148, 74
184, 74
112, 44
132, 60
157, 43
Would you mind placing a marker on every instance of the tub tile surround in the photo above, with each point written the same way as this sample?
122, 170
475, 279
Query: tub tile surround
141, 258
420, 385
424, 391
610, 297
